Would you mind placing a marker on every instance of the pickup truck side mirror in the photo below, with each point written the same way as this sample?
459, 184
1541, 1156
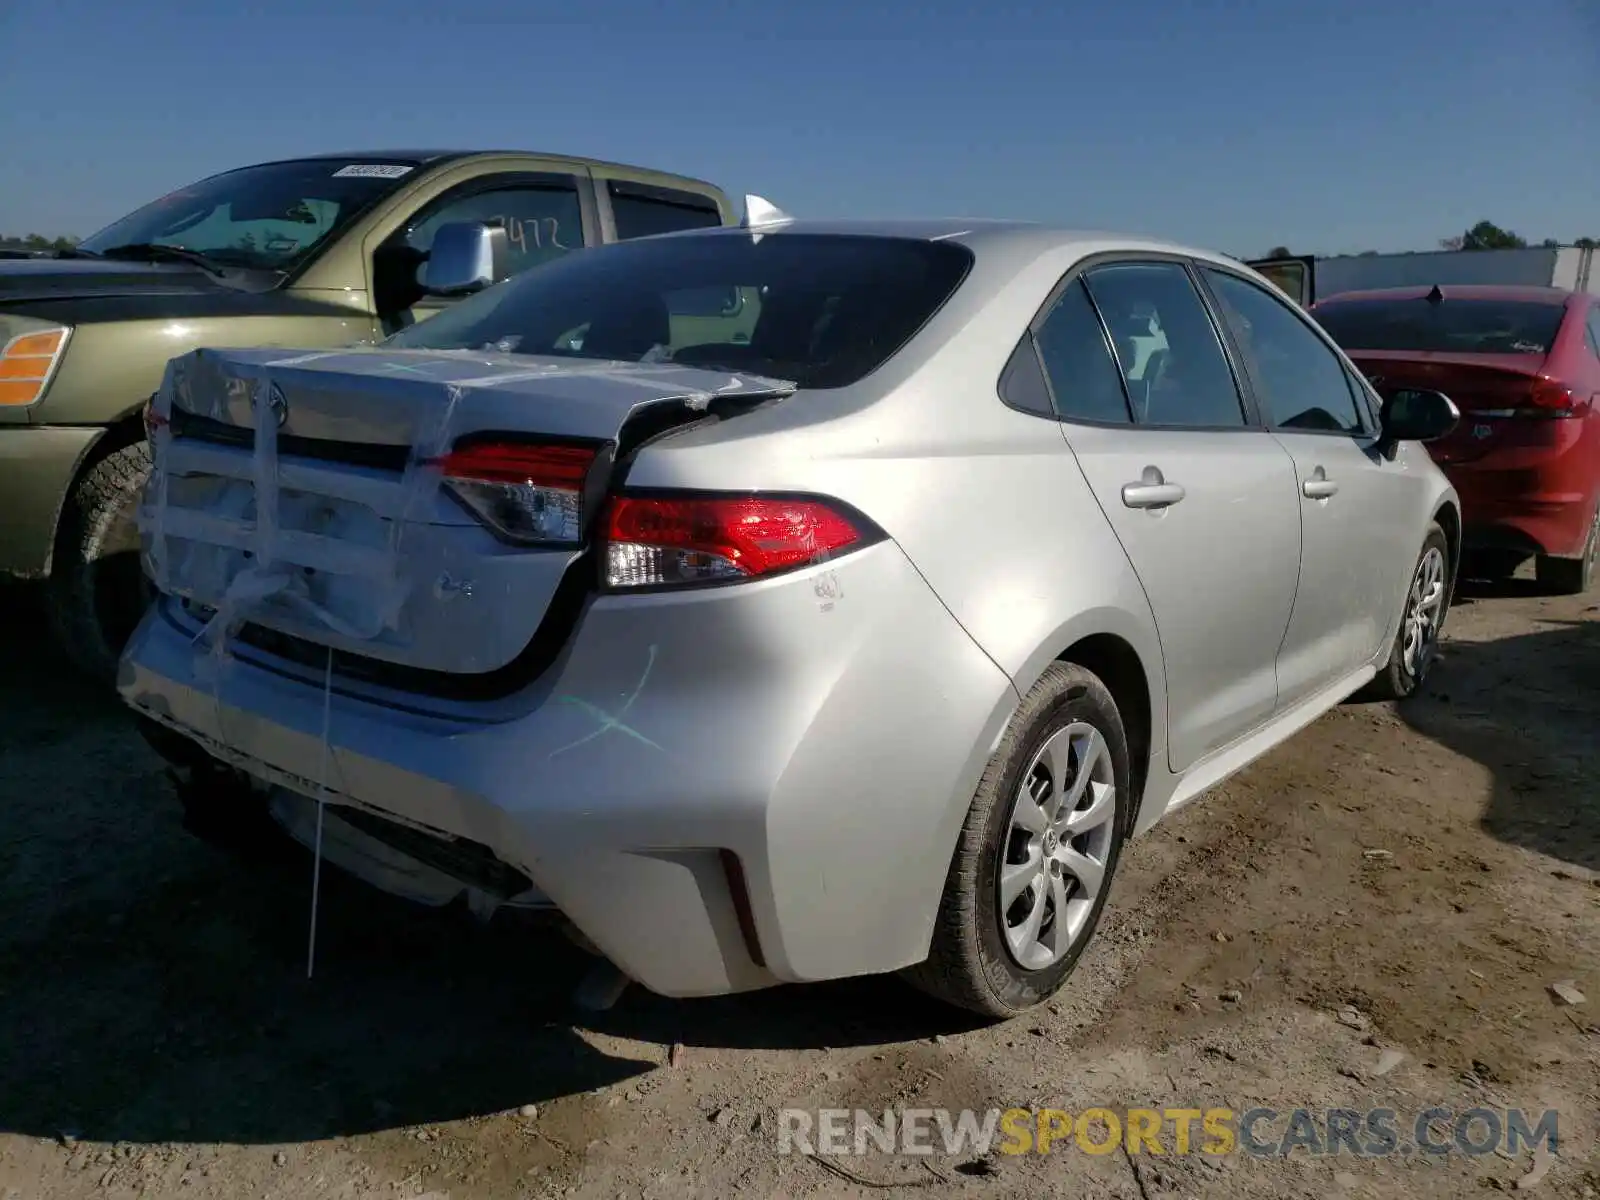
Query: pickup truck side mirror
1416, 415
465, 257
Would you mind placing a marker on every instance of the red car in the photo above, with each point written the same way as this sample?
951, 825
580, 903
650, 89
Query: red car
1523, 366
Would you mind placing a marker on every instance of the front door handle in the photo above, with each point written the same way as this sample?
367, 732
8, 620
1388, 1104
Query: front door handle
1152, 491
1319, 486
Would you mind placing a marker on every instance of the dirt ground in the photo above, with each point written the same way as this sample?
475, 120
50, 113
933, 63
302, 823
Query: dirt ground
1434, 869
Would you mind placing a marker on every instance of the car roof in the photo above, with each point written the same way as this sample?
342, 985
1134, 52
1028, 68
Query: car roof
428, 158
987, 234
1460, 291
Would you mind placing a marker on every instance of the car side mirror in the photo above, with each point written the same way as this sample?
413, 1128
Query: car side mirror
465, 257
1417, 415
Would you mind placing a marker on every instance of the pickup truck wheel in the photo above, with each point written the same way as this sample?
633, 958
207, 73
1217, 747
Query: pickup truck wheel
98, 591
1034, 865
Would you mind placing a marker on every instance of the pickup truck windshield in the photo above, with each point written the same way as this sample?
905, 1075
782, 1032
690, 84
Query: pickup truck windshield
270, 217
820, 310
1455, 325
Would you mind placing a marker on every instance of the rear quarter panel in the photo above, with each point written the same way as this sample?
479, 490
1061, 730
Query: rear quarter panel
987, 502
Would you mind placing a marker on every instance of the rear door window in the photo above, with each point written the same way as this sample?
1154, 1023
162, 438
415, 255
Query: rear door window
640, 210
1170, 356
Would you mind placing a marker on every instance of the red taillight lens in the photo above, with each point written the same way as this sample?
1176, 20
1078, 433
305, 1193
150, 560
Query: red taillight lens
530, 494
656, 541
1552, 398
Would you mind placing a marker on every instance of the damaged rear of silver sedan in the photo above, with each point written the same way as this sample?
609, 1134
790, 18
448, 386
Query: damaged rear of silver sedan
747, 597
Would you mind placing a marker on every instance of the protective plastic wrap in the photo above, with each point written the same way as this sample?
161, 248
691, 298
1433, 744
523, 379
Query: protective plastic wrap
301, 493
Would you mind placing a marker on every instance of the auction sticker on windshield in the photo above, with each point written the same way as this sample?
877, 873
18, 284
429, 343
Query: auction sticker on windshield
373, 171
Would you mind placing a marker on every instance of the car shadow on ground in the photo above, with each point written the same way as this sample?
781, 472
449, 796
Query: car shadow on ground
1528, 709
153, 988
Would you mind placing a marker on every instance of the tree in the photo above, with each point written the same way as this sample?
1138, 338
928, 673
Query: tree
1585, 243
1550, 243
1486, 235
1454, 243
1279, 252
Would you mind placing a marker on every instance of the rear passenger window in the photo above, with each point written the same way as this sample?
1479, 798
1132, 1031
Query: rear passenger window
1084, 379
1303, 382
1166, 345
1592, 333
640, 210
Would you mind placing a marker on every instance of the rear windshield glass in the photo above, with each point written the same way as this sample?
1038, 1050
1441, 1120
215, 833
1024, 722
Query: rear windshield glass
821, 310
1457, 326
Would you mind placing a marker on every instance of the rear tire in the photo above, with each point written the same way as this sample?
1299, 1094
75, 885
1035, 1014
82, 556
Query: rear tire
1571, 576
1421, 619
97, 588
1066, 743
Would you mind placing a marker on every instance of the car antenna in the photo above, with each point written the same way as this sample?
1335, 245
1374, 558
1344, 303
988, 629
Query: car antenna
1435, 296
760, 212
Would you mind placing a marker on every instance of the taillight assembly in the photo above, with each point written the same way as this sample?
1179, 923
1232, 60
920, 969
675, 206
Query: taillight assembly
1552, 399
531, 494
1546, 398
676, 539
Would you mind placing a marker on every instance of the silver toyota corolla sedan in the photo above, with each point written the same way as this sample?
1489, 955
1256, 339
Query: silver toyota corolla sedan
787, 602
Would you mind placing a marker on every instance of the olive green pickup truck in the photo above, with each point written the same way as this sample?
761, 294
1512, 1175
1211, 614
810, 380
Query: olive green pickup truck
313, 252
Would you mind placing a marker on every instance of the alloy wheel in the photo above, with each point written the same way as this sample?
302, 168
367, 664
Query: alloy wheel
1054, 858
1424, 610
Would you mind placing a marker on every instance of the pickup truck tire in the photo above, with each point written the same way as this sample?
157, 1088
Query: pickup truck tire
97, 587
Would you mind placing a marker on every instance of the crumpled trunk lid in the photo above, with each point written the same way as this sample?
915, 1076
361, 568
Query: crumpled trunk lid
300, 493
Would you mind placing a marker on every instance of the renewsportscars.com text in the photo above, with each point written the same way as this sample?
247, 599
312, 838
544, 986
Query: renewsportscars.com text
1260, 1132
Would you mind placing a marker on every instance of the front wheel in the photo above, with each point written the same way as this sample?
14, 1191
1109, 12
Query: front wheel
1041, 842
1427, 601
98, 591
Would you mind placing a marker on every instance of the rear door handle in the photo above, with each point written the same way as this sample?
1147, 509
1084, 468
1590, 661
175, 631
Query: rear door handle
1152, 491
1319, 486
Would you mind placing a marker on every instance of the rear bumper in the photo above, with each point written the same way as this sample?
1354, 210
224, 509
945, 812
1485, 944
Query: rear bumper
1535, 510
37, 465
828, 738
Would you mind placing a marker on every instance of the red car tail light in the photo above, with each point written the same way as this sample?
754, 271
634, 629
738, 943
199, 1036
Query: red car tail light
678, 539
1545, 398
528, 493
1552, 399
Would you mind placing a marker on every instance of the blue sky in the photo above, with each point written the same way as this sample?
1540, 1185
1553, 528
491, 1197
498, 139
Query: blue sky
1335, 126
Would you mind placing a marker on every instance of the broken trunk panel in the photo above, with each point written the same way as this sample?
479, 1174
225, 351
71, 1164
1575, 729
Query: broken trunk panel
305, 494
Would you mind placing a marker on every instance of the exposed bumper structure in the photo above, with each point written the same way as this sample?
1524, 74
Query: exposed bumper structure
677, 735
